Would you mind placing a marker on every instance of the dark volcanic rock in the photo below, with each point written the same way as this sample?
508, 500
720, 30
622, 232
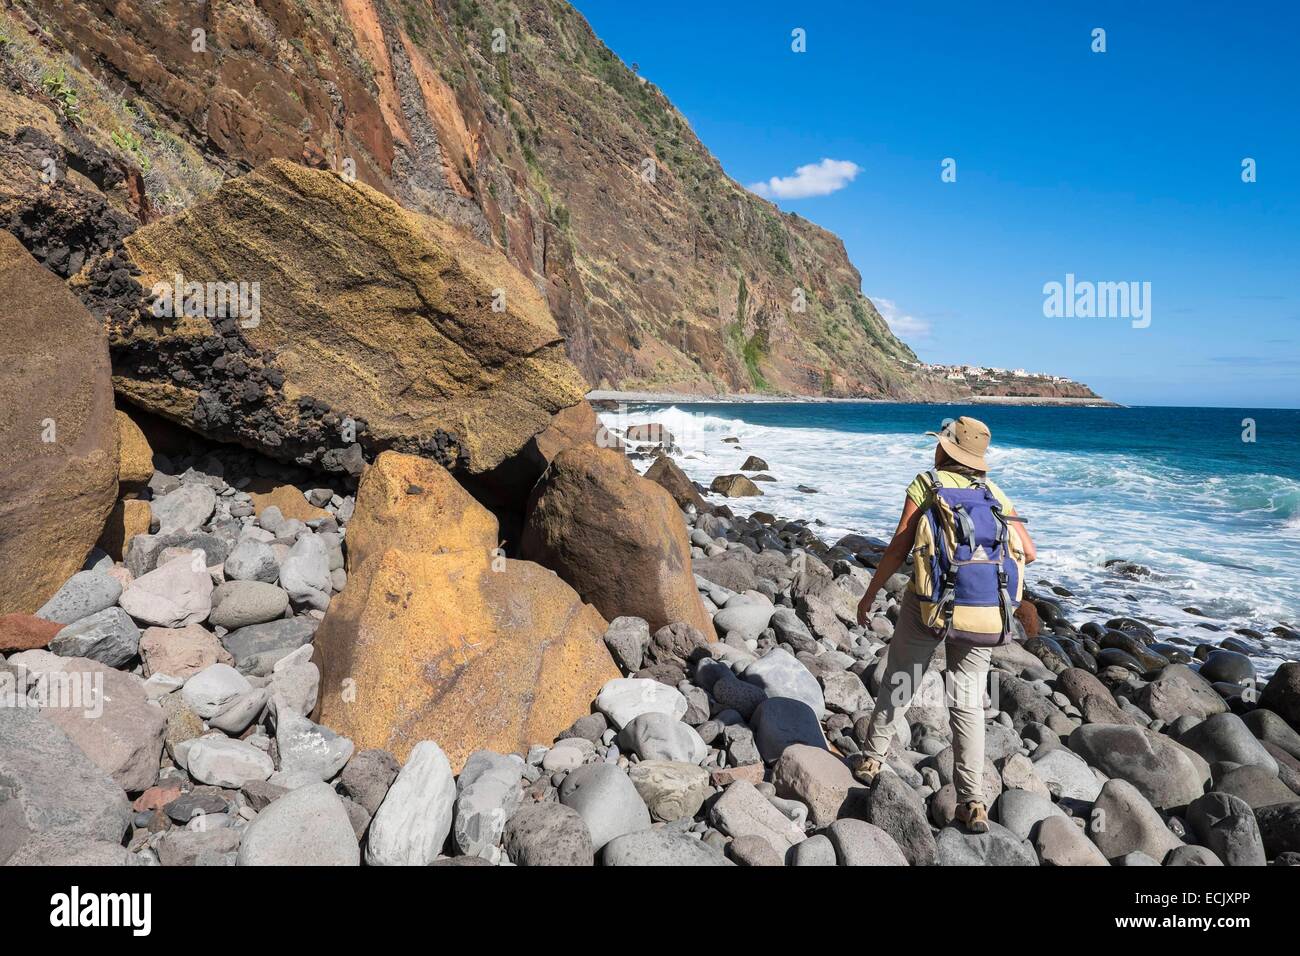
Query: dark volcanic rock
1164, 772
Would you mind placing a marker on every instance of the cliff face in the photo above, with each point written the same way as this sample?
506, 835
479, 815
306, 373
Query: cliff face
511, 120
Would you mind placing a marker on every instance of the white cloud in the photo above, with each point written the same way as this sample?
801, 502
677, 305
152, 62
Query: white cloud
900, 323
814, 179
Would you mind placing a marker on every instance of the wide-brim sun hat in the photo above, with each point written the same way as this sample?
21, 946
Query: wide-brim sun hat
965, 440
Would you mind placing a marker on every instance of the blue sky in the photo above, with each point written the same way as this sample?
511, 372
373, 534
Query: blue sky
1122, 166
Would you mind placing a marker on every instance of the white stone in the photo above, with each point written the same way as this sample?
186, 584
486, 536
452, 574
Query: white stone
223, 762
212, 689
623, 699
174, 595
411, 825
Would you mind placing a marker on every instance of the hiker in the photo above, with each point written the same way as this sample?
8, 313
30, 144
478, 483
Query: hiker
969, 550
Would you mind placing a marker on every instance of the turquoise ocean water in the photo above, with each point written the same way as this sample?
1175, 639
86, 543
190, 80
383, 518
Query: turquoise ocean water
1214, 517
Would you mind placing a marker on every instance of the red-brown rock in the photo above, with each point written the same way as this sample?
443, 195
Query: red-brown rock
617, 538
25, 632
665, 473
58, 433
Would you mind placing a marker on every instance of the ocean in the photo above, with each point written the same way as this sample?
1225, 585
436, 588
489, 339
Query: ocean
1180, 491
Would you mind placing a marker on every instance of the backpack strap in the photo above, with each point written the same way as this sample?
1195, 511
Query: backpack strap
948, 601
964, 525
1004, 600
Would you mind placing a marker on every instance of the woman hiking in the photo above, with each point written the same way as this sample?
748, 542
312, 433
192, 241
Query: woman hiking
969, 550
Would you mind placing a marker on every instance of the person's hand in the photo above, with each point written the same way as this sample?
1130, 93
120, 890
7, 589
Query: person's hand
864, 607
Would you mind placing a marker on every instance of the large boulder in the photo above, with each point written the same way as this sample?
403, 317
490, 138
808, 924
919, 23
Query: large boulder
1166, 773
1225, 738
1227, 825
58, 436
438, 637
1178, 691
666, 473
134, 454
575, 425
397, 332
815, 777
105, 712
305, 827
1122, 820
734, 486
52, 787
1282, 693
616, 537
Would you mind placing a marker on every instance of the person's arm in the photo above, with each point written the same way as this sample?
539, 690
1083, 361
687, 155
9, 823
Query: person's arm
893, 557
1026, 541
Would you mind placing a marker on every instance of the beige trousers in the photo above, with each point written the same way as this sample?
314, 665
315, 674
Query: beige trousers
909, 653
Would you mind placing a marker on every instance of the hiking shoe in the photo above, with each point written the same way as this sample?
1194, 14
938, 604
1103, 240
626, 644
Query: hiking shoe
865, 769
973, 816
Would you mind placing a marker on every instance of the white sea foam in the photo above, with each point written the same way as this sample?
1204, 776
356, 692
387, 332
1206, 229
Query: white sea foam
1228, 546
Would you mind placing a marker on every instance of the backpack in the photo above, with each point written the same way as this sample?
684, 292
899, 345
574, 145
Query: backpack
968, 565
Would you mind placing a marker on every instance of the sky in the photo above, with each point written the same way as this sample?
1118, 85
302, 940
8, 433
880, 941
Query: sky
1122, 166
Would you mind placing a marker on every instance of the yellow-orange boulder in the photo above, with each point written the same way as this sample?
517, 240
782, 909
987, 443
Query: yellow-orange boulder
413, 504
129, 517
134, 455
288, 498
438, 637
